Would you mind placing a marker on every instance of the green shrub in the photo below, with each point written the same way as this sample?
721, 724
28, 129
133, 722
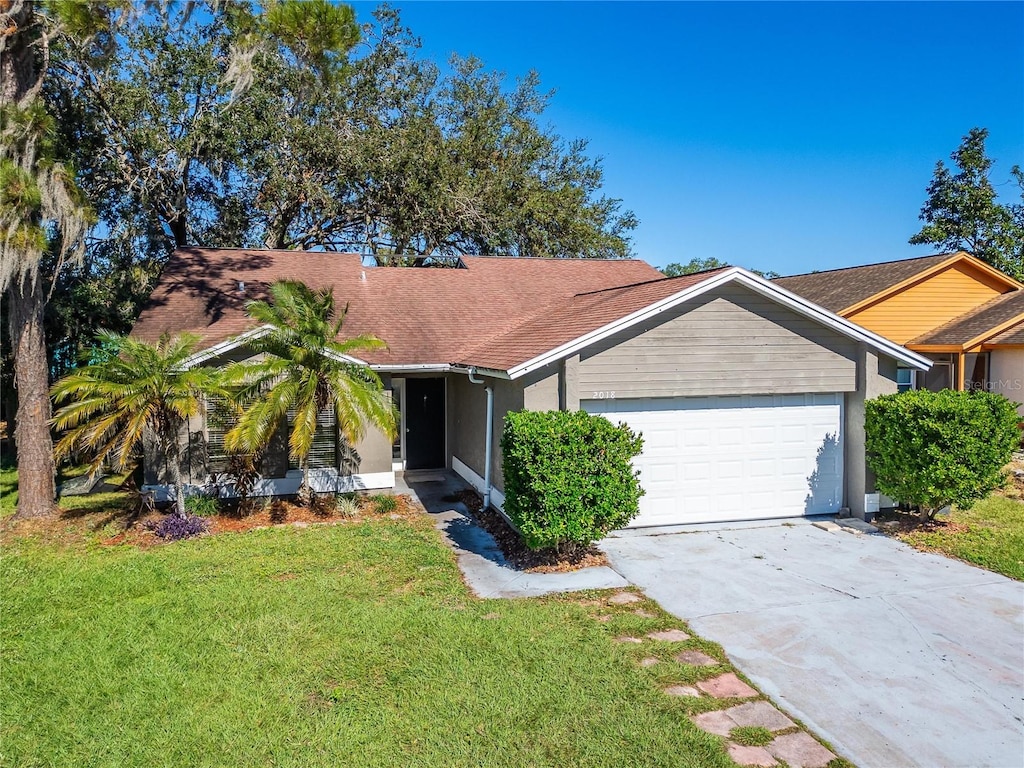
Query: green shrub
384, 503
568, 477
933, 449
202, 506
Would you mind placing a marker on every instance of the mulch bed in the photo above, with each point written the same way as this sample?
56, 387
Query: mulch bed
516, 552
72, 526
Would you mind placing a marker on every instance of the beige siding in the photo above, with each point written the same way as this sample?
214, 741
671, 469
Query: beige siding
730, 341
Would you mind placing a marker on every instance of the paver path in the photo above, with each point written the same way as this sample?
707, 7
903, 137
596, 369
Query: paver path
896, 657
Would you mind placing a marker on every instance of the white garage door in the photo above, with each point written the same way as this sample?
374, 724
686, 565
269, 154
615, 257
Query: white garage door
713, 459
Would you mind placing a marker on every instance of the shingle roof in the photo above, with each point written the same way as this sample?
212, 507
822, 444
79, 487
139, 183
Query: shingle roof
971, 325
837, 289
425, 315
566, 321
1015, 335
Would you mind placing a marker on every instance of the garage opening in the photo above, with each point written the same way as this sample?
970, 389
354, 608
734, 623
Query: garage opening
744, 457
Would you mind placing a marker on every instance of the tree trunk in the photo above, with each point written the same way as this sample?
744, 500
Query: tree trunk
37, 488
172, 455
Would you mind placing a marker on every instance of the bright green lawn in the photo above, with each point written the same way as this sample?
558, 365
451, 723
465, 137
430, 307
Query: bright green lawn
8, 489
347, 645
990, 534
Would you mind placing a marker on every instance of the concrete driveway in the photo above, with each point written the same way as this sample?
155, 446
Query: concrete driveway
896, 657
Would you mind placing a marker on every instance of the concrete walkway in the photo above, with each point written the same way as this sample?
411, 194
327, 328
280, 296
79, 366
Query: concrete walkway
482, 563
896, 657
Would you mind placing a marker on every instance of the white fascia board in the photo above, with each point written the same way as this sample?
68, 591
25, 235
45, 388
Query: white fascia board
241, 340
411, 368
748, 279
226, 346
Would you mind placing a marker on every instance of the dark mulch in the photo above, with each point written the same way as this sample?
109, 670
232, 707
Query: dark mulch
516, 552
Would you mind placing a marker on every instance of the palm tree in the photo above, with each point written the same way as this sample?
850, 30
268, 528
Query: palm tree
133, 387
306, 368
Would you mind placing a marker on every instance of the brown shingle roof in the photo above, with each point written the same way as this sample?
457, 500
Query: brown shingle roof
425, 315
569, 320
1015, 335
973, 324
837, 289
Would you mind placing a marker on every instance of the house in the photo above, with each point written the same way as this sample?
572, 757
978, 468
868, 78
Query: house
749, 397
956, 310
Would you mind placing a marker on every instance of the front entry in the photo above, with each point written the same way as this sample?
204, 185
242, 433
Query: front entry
424, 424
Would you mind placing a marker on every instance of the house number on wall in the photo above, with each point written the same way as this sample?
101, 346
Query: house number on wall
604, 395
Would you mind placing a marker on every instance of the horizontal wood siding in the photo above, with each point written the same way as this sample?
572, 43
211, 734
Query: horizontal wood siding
925, 306
730, 341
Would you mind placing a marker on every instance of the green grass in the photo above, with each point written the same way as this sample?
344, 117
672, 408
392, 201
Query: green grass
751, 735
8, 489
990, 534
344, 645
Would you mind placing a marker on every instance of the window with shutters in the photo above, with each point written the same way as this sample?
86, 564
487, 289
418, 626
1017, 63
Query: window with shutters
218, 422
324, 453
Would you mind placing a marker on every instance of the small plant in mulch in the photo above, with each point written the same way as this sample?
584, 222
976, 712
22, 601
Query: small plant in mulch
202, 506
751, 736
174, 528
384, 503
347, 505
323, 504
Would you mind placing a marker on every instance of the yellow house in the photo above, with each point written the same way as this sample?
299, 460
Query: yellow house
965, 316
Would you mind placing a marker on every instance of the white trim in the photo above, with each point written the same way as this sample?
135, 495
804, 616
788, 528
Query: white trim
461, 469
741, 276
240, 341
322, 481
412, 368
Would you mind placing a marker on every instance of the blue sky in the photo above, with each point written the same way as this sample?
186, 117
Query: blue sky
782, 136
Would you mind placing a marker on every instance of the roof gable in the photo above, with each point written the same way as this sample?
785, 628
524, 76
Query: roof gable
845, 291
977, 326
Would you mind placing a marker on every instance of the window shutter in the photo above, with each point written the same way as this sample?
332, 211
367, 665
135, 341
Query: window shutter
217, 417
324, 453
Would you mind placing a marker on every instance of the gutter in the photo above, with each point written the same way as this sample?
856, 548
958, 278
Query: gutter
474, 379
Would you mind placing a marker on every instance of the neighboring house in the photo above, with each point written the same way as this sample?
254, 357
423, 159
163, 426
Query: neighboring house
954, 309
750, 398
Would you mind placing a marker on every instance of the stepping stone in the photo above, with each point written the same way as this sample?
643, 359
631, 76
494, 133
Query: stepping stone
800, 750
760, 714
717, 722
602, 618
624, 598
650, 661
669, 635
643, 614
627, 639
727, 686
826, 525
696, 659
757, 756
682, 690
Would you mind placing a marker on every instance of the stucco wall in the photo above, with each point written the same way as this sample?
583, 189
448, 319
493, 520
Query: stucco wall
1006, 375
467, 409
876, 376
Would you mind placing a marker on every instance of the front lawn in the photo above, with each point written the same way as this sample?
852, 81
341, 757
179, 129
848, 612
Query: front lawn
990, 534
351, 644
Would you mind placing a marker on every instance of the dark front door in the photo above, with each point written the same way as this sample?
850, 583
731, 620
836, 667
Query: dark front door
424, 423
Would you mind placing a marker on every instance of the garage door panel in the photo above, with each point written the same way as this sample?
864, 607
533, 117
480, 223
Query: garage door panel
708, 459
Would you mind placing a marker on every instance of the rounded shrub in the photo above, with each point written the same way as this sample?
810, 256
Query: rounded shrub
933, 449
569, 477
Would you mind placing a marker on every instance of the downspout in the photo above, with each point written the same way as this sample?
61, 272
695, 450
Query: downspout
490, 436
